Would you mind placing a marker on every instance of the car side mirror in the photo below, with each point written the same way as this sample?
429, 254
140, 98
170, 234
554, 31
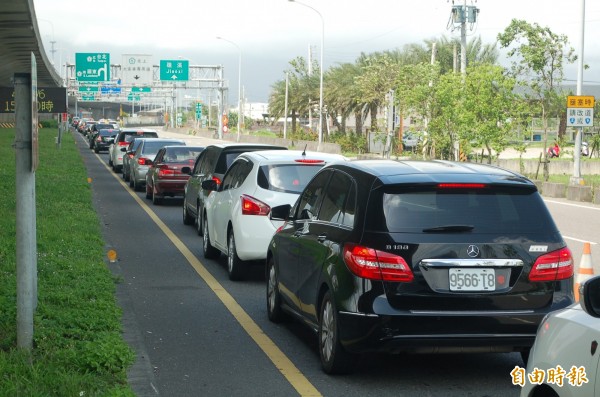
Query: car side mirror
589, 293
280, 212
186, 170
210, 184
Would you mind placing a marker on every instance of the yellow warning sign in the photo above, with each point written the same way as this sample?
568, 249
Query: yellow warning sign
580, 101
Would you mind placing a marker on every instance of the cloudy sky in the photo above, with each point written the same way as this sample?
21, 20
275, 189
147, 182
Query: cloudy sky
270, 33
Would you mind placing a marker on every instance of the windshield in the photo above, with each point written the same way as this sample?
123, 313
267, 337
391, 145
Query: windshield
288, 178
487, 210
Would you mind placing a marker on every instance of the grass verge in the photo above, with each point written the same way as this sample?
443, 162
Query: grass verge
78, 345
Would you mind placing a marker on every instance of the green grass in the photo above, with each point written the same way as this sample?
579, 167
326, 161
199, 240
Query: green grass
78, 346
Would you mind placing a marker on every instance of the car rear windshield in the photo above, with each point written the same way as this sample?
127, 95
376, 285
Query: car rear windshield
288, 178
181, 155
154, 146
489, 209
130, 136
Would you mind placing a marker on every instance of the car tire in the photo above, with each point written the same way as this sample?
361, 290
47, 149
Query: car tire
187, 219
334, 358
126, 175
199, 224
276, 315
96, 150
110, 163
131, 180
156, 199
148, 192
236, 268
209, 251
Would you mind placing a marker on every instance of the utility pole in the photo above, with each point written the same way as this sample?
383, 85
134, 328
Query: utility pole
576, 178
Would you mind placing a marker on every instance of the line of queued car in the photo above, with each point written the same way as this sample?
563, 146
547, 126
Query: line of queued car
382, 256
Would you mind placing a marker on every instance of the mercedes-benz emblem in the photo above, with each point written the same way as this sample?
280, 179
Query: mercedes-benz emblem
473, 251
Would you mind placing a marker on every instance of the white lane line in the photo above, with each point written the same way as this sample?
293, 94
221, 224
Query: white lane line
573, 205
578, 240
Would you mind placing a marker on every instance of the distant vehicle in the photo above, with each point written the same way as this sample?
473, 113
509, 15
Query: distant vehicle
142, 159
115, 155
568, 339
164, 178
410, 140
129, 153
417, 256
102, 139
236, 214
211, 164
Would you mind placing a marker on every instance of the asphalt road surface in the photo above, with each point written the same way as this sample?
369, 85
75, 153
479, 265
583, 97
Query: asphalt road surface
197, 333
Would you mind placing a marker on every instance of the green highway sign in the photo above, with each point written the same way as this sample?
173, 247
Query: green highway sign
92, 66
134, 97
174, 70
88, 97
141, 89
88, 89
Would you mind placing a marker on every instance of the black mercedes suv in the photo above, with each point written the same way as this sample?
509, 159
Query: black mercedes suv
417, 256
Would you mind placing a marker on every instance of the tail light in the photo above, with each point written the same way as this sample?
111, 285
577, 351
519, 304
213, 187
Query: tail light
553, 266
164, 171
462, 185
376, 265
216, 179
309, 161
99, 138
143, 161
123, 143
252, 206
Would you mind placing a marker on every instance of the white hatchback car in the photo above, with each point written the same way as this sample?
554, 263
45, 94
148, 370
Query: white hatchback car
564, 360
236, 219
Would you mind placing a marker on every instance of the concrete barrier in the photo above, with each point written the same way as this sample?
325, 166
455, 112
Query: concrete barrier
579, 193
552, 189
596, 199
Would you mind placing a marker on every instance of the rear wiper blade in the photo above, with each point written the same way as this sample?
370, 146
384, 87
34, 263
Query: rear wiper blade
449, 228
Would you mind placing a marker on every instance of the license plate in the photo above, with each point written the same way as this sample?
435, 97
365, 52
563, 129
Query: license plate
472, 279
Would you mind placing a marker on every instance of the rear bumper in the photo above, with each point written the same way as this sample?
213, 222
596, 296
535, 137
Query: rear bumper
419, 332
170, 187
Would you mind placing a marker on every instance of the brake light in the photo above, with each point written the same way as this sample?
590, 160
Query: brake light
309, 161
123, 143
376, 265
554, 266
252, 206
143, 161
216, 179
461, 185
165, 171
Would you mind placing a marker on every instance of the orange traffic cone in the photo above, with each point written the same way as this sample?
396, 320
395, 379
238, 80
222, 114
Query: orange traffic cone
586, 271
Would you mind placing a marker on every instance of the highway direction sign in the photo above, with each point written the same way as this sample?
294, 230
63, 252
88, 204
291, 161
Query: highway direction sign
137, 69
92, 66
134, 97
141, 89
110, 90
88, 89
174, 70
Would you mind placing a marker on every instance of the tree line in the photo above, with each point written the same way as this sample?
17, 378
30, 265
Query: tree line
486, 107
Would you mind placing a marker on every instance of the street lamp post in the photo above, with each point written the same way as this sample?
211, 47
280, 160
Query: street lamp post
239, 85
321, 70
